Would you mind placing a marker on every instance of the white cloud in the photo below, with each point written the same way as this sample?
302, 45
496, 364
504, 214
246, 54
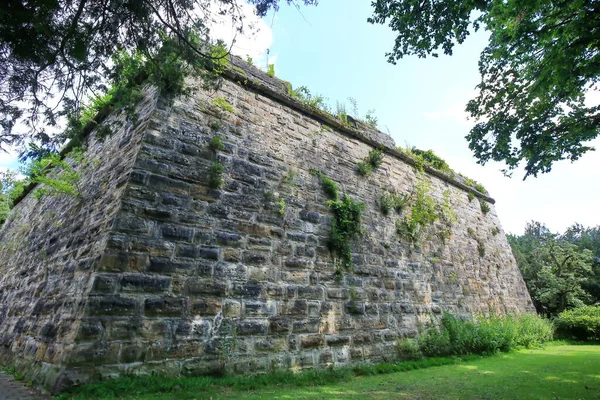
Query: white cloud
253, 41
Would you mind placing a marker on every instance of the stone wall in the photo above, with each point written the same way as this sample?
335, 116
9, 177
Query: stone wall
49, 248
171, 276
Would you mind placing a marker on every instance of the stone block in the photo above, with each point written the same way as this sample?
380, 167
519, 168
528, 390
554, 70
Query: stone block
311, 341
144, 283
166, 306
205, 306
252, 327
112, 305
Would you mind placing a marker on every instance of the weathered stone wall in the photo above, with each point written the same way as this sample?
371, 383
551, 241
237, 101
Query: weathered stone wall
49, 248
192, 280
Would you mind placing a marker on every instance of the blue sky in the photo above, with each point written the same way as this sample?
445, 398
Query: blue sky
333, 51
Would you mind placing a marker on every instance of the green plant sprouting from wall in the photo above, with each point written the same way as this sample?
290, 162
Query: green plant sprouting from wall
345, 226
371, 119
271, 70
424, 211
56, 175
485, 207
370, 163
222, 104
389, 201
215, 175
215, 144
421, 214
429, 158
329, 186
282, 205
341, 113
304, 95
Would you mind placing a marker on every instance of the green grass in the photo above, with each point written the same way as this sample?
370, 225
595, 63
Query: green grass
558, 371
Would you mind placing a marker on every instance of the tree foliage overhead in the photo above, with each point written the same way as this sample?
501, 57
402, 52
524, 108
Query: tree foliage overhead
56, 53
542, 58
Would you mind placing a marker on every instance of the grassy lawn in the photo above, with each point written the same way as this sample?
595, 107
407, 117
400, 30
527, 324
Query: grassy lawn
556, 372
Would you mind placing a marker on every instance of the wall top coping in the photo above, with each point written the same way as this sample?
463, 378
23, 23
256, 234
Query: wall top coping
276, 89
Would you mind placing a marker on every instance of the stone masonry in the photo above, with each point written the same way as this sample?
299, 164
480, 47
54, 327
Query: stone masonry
152, 271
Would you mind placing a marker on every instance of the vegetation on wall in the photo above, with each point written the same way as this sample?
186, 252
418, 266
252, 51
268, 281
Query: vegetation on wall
345, 226
370, 163
329, 186
422, 213
215, 175
10, 189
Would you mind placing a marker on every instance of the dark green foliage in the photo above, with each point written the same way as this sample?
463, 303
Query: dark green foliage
363, 168
61, 52
581, 323
480, 247
470, 196
345, 226
215, 144
389, 201
375, 158
386, 203
485, 207
408, 350
588, 239
559, 273
539, 64
430, 158
215, 175
495, 231
370, 163
484, 335
474, 184
329, 186
10, 189
480, 188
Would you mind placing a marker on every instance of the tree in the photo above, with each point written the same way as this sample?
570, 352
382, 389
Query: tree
554, 269
56, 53
588, 238
542, 58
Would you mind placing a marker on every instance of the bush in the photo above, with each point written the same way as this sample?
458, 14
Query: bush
582, 323
483, 335
408, 350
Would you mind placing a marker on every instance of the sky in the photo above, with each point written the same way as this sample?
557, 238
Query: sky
333, 51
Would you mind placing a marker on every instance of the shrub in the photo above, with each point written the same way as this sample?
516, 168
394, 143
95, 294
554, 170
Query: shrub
482, 335
271, 70
408, 350
582, 323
